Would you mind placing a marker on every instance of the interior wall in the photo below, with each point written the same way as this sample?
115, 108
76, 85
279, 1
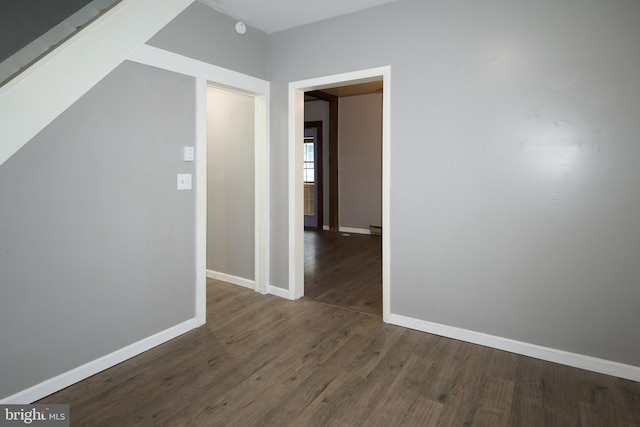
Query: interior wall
319, 111
21, 22
360, 161
230, 183
208, 35
513, 177
97, 246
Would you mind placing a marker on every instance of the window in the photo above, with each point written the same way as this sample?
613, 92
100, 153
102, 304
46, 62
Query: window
309, 160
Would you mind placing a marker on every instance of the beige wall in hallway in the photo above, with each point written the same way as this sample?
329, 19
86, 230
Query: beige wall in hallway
230, 183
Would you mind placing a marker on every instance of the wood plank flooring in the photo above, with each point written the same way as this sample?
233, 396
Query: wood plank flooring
344, 270
264, 361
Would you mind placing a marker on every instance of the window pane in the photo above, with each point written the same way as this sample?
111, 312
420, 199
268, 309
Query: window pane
308, 152
309, 173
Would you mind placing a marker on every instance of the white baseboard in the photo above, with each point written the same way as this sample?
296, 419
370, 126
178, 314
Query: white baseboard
355, 230
350, 230
575, 360
80, 373
234, 280
279, 292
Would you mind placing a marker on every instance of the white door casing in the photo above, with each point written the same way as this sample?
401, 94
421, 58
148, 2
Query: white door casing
296, 191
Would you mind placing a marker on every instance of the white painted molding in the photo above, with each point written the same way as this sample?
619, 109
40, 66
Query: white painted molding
386, 193
261, 189
279, 292
355, 230
544, 353
52, 37
296, 191
33, 99
201, 199
80, 373
234, 280
219, 76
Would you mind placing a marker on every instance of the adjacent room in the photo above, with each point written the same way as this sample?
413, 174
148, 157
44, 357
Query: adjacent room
343, 196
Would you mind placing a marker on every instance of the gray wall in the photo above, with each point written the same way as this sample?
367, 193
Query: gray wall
23, 21
319, 111
360, 160
230, 183
518, 124
97, 247
205, 34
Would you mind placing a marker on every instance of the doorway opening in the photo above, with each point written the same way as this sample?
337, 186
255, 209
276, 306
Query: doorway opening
231, 186
343, 267
257, 92
297, 241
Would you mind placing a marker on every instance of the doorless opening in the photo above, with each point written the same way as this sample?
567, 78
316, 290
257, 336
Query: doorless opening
231, 186
296, 190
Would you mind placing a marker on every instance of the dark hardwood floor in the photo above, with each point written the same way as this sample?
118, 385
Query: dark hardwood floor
265, 361
344, 270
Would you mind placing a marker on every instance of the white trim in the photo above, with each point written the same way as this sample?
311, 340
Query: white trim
230, 278
279, 292
296, 191
386, 195
355, 230
201, 199
222, 77
52, 37
80, 373
261, 189
539, 352
296, 125
34, 98
325, 227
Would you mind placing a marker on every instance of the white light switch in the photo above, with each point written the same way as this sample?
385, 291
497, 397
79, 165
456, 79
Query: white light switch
184, 181
189, 154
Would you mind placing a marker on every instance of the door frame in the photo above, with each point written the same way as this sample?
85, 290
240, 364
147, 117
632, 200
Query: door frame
318, 161
296, 191
334, 220
205, 75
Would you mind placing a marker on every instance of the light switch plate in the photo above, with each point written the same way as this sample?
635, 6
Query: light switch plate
184, 181
188, 154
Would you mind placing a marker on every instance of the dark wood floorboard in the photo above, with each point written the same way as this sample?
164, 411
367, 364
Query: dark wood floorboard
264, 361
344, 270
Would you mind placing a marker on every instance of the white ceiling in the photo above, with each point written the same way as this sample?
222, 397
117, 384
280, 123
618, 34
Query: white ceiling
276, 15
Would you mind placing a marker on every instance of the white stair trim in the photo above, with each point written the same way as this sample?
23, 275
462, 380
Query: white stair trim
51, 38
33, 99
